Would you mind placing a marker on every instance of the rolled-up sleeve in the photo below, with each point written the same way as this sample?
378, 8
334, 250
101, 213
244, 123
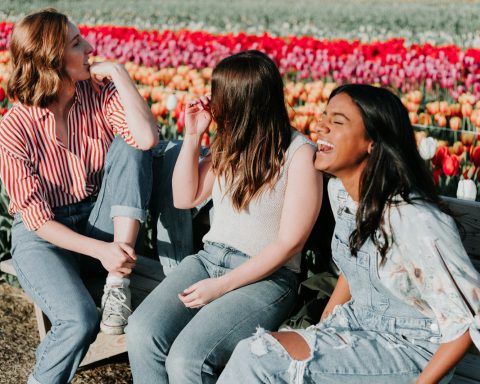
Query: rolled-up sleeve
115, 114
24, 189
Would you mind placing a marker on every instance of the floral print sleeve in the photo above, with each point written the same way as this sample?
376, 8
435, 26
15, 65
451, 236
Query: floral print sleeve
428, 267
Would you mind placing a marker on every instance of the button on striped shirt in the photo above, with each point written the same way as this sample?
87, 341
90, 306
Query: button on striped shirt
40, 172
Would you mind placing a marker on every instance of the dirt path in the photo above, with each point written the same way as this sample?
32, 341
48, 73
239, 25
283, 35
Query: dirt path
19, 339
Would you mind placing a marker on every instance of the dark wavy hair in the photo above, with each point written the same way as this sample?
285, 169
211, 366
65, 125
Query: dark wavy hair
254, 130
393, 168
37, 50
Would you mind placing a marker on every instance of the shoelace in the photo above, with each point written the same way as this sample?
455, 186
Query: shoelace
115, 301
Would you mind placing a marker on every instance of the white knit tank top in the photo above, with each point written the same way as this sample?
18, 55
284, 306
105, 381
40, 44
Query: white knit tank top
257, 225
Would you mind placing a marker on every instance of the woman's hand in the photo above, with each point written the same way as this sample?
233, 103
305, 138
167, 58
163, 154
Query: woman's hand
197, 116
118, 257
202, 293
104, 72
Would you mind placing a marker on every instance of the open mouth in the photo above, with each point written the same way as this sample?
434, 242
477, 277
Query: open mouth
324, 146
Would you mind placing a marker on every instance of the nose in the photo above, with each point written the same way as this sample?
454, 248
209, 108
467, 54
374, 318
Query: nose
88, 48
321, 126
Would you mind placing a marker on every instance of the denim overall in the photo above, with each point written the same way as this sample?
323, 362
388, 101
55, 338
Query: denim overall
373, 338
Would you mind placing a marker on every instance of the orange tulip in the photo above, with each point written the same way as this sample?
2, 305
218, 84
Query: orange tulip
413, 117
455, 123
424, 119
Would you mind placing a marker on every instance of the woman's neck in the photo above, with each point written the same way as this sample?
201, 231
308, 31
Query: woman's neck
351, 182
65, 99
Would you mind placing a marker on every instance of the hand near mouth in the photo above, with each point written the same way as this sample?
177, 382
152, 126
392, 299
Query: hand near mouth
102, 73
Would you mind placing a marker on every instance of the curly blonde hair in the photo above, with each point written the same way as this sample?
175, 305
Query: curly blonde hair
37, 53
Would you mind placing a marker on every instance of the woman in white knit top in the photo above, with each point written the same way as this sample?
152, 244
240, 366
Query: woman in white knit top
266, 195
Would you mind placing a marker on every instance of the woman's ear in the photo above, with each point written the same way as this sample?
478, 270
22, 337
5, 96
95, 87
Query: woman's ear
370, 147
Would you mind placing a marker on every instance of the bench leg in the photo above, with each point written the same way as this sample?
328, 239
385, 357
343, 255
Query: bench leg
42, 322
104, 346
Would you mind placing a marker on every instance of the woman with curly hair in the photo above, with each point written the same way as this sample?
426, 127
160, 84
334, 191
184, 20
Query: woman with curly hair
77, 193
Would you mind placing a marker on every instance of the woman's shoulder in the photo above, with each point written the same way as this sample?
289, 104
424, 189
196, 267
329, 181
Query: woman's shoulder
298, 139
298, 144
17, 119
421, 217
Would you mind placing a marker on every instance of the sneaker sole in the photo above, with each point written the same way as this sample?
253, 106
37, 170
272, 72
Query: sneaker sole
109, 330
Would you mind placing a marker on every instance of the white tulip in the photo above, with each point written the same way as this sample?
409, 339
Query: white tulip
467, 190
171, 102
427, 148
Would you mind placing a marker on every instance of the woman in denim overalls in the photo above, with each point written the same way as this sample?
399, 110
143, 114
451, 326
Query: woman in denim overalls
405, 306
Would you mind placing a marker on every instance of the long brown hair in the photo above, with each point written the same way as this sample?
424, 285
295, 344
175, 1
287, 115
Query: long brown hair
394, 167
37, 51
253, 127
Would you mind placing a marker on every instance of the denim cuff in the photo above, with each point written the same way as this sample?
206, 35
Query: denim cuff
32, 380
131, 212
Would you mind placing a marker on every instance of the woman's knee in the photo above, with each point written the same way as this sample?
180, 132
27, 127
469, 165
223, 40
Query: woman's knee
142, 334
122, 153
81, 324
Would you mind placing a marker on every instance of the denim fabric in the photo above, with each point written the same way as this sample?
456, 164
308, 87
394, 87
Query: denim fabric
174, 226
170, 343
374, 338
52, 276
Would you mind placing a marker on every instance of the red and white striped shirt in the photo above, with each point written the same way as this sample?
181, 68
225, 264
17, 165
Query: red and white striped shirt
39, 172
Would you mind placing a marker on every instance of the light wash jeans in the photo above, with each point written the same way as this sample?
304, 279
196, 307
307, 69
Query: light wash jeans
375, 338
52, 276
169, 343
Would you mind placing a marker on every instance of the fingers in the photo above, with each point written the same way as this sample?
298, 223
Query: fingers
188, 298
190, 289
203, 103
124, 271
191, 301
129, 250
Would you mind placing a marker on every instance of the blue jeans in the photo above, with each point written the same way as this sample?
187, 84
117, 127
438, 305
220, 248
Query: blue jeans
52, 276
170, 343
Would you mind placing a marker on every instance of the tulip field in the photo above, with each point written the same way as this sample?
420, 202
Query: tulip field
438, 80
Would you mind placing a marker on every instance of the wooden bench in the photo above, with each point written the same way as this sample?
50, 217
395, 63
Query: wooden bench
146, 276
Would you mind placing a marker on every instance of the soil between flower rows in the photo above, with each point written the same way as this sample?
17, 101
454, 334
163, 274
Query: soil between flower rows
19, 339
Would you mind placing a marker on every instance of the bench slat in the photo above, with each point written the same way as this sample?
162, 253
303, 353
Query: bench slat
7, 267
468, 214
469, 367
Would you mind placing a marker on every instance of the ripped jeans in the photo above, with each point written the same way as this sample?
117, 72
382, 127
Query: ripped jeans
340, 352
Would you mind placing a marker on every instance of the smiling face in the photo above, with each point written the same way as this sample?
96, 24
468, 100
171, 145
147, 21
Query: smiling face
343, 147
77, 53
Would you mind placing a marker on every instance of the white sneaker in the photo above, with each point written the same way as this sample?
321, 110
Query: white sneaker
116, 308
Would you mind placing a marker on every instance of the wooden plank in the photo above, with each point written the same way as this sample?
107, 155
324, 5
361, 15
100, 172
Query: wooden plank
468, 214
43, 323
469, 367
103, 347
462, 380
7, 267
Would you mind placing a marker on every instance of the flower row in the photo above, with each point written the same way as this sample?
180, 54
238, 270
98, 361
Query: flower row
389, 63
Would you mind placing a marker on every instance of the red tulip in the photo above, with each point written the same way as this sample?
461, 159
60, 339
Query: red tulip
450, 165
437, 160
475, 155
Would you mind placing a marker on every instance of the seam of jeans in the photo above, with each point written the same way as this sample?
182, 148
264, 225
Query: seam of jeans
238, 324
40, 297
